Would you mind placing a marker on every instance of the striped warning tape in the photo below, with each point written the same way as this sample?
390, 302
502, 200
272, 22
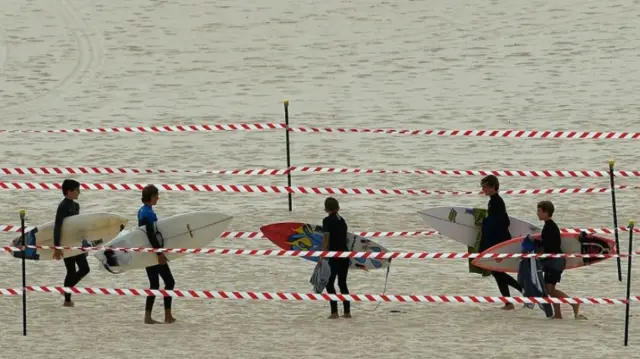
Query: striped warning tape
509, 133
163, 129
21, 171
523, 134
283, 296
297, 189
14, 228
327, 254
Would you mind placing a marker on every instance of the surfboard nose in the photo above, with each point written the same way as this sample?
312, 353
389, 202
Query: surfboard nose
282, 229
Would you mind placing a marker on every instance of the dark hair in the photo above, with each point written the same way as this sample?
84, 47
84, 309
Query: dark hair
149, 191
69, 185
547, 207
331, 204
491, 181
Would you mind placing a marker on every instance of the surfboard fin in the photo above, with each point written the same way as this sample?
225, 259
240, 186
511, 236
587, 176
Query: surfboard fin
108, 268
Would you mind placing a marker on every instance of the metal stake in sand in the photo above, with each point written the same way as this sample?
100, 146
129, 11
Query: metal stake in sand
612, 163
24, 275
286, 121
626, 315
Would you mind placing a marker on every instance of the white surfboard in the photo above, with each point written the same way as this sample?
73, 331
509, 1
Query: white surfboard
572, 243
88, 230
188, 230
464, 224
358, 243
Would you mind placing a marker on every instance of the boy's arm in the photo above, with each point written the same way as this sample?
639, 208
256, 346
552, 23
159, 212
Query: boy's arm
325, 239
151, 233
540, 244
57, 227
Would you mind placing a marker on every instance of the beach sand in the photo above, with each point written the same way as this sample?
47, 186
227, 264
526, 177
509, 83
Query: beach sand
502, 64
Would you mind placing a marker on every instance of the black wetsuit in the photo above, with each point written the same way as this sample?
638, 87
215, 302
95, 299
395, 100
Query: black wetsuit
147, 217
550, 241
68, 208
336, 227
495, 230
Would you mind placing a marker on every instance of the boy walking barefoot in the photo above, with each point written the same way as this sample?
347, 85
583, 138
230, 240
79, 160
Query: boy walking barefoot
335, 239
550, 242
69, 207
148, 218
495, 229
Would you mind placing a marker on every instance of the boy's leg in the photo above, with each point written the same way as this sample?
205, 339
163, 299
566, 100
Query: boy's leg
575, 307
342, 284
502, 280
169, 283
551, 290
331, 289
154, 283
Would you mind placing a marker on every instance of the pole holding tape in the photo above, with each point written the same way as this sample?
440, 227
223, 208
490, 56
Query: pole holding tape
24, 272
612, 163
626, 315
286, 122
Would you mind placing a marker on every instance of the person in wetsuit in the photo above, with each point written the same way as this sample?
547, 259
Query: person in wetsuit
334, 227
551, 242
147, 218
495, 229
67, 208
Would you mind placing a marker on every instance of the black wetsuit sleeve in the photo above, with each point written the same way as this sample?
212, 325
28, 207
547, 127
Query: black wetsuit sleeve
57, 227
65, 209
498, 210
151, 232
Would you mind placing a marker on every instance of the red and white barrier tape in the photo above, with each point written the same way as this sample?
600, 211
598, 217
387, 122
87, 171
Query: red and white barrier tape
14, 228
313, 170
329, 254
169, 128
547, 134
242, 188
397, 298
512, 133
503, 173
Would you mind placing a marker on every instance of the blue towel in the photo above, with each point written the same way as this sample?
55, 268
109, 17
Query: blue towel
530, 277
528, 245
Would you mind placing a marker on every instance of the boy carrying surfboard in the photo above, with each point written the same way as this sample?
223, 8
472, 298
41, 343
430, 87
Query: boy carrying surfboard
147, 218
335, 239
69, 207
551, 242
495, 229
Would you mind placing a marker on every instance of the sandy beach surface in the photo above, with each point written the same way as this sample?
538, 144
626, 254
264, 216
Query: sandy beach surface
565, 64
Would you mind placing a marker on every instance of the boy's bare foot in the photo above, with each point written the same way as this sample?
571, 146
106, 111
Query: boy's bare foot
168, 317
508, 307
68, 304
334, 316
576, 312
347, 315
148, 319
